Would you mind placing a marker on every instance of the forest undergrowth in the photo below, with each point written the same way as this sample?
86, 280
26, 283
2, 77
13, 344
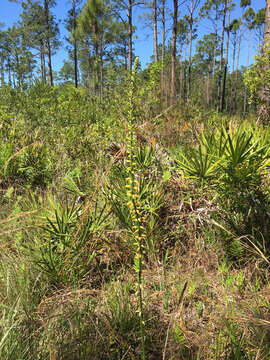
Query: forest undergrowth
131, 230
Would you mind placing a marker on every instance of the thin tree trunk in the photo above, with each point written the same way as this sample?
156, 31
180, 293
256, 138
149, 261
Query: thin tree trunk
207, 88
75, 64
213, 92
163, 45
96, 70
2, 72
226, 60
41, 65
9, 72
239, 51
75, 48
185, 73
14, 79
101, 65
213, 73
237, 65
42, 62
88, 65
180, 75
130, 4
248, 55
126, 56
174, 35
155, 29
19, 74
233, 76
190, 48
97, 57
221, 55
48, 45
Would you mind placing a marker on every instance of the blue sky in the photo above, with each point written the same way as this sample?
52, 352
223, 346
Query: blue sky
9, 14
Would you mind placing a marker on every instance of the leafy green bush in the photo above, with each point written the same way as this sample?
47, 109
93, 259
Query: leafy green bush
257, 80
30, 165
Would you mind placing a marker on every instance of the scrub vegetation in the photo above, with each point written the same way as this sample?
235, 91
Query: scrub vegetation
135, 224
153, 246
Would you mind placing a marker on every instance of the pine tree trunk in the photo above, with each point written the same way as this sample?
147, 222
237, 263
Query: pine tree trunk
41, 65
180, 76
130, 3
174, 35
97, 58
89, 65
222, 105
155, 29
75, 48
190, 48
48, 45
236, 68
101, 65
213, 92
163, 45
42, 62
13, 80
9, 72
221, 55
233, 76
96, 70
75, 64
19, 74
2, 72
248, 55
126, 56
185, 73
207, 88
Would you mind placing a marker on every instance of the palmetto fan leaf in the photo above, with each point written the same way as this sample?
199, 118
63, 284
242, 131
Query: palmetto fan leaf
198, 163
243, 155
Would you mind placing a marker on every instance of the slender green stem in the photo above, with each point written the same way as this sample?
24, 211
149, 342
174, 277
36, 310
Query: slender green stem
134, 204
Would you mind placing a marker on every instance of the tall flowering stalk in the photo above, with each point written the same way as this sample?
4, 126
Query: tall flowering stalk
134, 204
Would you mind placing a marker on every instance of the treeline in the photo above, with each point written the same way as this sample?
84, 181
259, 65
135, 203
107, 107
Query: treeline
100, 45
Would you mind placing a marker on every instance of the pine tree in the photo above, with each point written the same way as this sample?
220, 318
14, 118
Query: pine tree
213, 11
96, 30
191, 20
71, 26
41, 32
174, 37
127, 6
